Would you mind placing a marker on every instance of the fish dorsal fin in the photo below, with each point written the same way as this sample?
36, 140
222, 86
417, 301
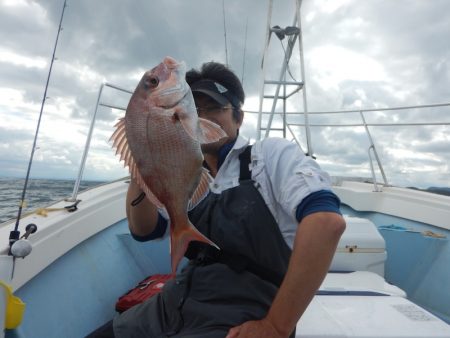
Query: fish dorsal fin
119, 139
202, 188
210, 131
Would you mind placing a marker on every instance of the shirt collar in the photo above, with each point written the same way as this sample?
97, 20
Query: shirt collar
238, 143
223, 152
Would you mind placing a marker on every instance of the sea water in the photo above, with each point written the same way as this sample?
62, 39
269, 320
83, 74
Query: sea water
40, 193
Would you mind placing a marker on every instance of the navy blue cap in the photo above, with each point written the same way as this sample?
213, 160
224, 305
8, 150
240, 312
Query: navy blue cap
216, 91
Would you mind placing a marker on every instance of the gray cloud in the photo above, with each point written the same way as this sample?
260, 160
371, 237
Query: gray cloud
403, 45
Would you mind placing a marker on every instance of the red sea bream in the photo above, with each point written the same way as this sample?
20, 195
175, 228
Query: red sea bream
159, 140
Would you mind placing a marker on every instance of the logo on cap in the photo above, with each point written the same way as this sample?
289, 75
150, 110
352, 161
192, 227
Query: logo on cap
220, 88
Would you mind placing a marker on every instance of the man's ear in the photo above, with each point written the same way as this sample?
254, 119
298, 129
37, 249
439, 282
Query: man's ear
241, 117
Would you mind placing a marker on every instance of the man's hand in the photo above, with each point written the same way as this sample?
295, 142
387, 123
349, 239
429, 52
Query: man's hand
255, 329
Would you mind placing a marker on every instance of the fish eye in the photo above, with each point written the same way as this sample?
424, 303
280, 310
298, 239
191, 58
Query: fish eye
151, 82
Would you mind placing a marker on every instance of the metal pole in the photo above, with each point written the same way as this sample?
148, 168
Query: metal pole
282, 74
91, 129
284, 107
302, 65
263, 73
374, 177
372, 145
86, 149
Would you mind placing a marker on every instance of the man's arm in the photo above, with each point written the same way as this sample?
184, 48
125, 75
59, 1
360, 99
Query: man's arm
143, 215
315, 243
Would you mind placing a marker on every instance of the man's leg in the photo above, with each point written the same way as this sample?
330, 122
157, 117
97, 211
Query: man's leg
104, 331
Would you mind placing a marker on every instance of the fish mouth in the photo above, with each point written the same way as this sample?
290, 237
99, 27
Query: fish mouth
170, 106
171, 63
177, 72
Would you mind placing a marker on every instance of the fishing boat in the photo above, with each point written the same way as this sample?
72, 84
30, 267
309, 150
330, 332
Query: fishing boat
66, 264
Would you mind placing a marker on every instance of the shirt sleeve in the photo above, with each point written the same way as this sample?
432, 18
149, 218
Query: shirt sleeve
293, 175
322, 200
158, 232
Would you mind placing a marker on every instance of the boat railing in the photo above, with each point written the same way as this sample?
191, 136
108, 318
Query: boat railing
76, 186
288, 125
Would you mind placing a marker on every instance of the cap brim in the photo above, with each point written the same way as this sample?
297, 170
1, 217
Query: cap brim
220, 99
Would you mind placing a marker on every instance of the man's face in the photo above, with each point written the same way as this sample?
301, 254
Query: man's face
210, 110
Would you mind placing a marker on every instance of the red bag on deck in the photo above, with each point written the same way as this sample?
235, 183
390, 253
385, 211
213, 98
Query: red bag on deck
147, 288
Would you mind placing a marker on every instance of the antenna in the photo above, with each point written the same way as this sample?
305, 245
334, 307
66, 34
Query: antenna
243, 56
225, 32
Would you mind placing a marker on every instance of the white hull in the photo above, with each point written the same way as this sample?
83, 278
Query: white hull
344, 307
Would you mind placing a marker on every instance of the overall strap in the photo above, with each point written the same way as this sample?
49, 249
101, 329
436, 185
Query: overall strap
244, 160
202, 254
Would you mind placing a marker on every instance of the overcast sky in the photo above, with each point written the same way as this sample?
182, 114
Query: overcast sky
358, 55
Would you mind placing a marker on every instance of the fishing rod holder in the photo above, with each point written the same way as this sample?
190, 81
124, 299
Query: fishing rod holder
29, 229
21, 247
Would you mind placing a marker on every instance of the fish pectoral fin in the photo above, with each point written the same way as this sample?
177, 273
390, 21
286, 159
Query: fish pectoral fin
179, 115
119, 139
210, 132
120, 142
202, 188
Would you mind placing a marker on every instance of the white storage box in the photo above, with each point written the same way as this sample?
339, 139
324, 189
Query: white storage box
361, 248
363, 305
368, 317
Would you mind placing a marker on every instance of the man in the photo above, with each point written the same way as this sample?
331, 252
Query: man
272, 213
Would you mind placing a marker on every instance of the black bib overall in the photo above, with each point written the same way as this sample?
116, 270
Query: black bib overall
218, 290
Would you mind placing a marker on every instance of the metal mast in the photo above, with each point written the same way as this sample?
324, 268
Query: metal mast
279, 86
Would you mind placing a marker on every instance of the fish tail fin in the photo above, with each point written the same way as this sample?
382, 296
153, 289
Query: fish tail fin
180, 239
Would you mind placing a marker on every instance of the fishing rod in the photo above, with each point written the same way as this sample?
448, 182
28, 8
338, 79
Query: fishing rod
14, 234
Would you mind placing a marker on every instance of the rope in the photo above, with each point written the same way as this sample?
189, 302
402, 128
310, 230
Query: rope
44, 211
433, 234
70, 208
